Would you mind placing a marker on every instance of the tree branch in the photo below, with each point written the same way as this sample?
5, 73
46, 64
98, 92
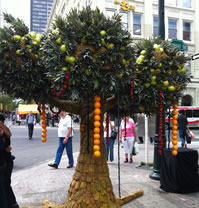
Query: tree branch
65, 105
110, 103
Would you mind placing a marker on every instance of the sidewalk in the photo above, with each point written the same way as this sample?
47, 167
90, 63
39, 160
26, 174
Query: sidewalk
40, 182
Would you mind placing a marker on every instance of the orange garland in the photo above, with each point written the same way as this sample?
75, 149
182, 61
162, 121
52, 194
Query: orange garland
97, 125
175, 130
43, 119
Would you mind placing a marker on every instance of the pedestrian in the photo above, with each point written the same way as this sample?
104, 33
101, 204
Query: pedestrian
108, 140
140, 126
182, 127
5, 135
65, 135
30, 121
128, 137
151, 127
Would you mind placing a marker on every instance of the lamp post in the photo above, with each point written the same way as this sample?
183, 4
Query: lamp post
155, 174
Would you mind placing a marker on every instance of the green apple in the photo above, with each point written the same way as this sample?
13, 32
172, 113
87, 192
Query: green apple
33, 34
142, 52
183, 70
58, 41
87, 72
119, 75
83, 40
29, 46
71, 59
39, 36
166, 83
35, 42
152, 70
67, 59
64, 68
18, 52
37, 39
153, 78
122, 48
102, 33
141, 108
110, 46
124, 61
147, 85
171, 88
103, 42
36, 56
160, 65
30, 50
161, 50
63, 48
55, 32
153, 83
17, 37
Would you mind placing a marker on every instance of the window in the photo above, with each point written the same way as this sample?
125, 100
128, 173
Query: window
186, 30
136, 24
172, 27
172, 2
186, 3
124, 19
188, 113
155, 26
196, 113
110, 13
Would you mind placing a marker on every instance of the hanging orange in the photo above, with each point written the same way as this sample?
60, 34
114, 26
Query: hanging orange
175, 122
175, 117
96, 148
96, 141
174, 142
97, 117
97, 98
174, 152
175, 106
175, 127
43, 134
44, 130
43, 113
97, 124
174, 132
175, 112
97, 130
174, 137
43, 117
43, 126
97, 105
96, 136
175, 147
97, 153
43, 139
97, 111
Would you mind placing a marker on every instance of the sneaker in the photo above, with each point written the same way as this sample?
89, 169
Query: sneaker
53, 166
70, 166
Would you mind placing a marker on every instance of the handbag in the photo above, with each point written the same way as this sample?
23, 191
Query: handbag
136, 146
113, 134
188, 137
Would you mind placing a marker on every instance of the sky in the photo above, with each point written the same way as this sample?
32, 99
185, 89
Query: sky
18, 8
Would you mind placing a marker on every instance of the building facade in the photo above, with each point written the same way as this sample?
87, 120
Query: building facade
140, 17
39, 13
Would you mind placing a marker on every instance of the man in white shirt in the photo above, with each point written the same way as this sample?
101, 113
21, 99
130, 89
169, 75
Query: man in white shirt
65, 134
30, 121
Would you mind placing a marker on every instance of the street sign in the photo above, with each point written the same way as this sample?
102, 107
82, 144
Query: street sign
195, 56
180, 45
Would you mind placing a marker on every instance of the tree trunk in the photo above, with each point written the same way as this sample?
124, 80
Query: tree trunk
91, 185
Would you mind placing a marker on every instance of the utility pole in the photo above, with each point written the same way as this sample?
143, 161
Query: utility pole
155, 174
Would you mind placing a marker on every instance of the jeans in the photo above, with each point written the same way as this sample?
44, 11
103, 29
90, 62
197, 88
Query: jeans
30, 130
60, 149
109, 147
182, 134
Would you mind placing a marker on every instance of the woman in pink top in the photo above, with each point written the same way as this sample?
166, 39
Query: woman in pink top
128, 137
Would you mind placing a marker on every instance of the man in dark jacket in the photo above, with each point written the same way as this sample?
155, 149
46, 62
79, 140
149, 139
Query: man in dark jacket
182, 127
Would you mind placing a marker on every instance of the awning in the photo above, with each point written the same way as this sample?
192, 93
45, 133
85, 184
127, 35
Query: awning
25, 109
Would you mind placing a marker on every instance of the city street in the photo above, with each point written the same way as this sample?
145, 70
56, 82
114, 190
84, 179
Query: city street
31, 152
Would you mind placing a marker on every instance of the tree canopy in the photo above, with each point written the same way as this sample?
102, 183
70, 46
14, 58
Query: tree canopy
87, 54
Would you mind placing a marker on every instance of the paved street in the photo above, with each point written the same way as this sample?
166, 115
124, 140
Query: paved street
36, 182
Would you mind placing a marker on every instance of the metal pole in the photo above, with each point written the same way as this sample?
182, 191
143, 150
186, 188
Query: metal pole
155, 174
146, 141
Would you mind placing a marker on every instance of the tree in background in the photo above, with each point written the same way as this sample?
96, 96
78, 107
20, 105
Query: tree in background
81, 66
7, 103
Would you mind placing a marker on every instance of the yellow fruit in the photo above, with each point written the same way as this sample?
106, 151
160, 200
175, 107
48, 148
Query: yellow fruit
43, 135
174, 142
97, 105
97, 118
97, 153
96, 142
175, 117
175, 127
174, 137
97, 111
174, 132
44, 130
43, 139
96, 136
97, 98
175, 112
175, 122
97, 130
174, 152
96, 148
175, 147
97, 124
